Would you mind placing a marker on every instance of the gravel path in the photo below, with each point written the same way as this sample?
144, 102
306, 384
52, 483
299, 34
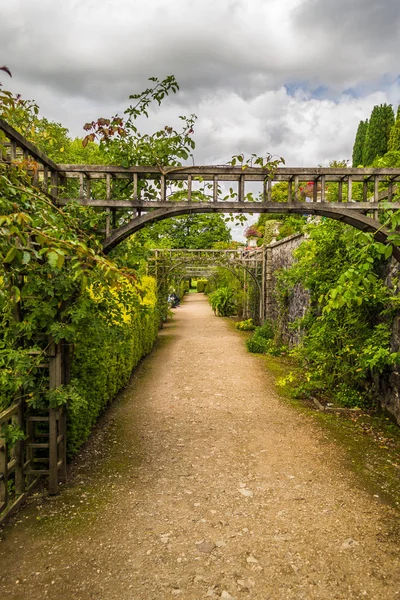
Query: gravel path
201, 483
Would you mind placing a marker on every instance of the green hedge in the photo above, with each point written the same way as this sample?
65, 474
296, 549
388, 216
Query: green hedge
201, 285
103, 360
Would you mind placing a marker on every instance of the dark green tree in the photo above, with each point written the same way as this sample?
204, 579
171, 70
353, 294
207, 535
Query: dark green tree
359, 143
394, 139
378, 133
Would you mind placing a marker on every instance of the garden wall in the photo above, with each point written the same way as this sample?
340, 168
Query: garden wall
387, 386
297, 303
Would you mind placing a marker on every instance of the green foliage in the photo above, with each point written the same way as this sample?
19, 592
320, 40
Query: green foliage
257, 344
222, 302
246, 325
282, 225
187, 231
11, 434
261, 340
378, 133
359, 143
104, 357
394, 139
56, 284
347, 328
201, 285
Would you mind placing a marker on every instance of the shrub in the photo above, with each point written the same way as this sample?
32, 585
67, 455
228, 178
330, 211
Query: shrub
201, 285
106, 352
265, 330
262, 340
222, 302
257, 344
247, 325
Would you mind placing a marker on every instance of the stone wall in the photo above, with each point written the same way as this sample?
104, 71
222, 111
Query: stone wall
298, 302
387, 386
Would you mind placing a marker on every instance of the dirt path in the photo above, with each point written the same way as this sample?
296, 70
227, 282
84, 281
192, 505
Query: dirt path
201, 483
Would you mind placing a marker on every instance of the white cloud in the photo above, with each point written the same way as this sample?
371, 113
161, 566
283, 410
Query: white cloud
234, 59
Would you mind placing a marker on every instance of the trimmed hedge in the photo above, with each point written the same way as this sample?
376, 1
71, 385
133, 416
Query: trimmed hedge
201, 285
104, 358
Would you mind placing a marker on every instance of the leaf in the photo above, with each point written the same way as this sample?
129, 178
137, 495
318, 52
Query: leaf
60, 261
15, 294
26, 257
11, 254
52, 258
388, 251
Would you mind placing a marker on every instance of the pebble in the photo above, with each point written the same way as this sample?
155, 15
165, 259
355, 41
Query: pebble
245, 492
246, 584
251, 560
205, 547
349, 543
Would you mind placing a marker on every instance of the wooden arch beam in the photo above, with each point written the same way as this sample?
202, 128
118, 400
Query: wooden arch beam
350, 217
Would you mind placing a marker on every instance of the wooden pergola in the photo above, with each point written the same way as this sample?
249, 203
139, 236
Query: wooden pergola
149, 194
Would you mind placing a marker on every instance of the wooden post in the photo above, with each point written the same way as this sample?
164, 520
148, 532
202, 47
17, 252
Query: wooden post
290, 190
390, 191
376, 195
18, 453
245, 295
296, 188
268, 282
62, 425
349, 188
315, 190
108, 198
215, 188
241, 189
340, 191
264, 284
55, 380
163, 188
365, 190
322, 188
3, 474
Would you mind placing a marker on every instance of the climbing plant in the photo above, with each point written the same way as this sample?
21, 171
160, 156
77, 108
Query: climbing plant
347, 328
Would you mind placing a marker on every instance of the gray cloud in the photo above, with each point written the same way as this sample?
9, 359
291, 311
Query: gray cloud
232, 58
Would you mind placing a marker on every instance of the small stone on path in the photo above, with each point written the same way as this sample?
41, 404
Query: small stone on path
251, 560
205, 547
226, 596
349, 543
245, 492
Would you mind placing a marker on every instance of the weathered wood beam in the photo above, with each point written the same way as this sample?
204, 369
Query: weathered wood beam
23, 143
229, 206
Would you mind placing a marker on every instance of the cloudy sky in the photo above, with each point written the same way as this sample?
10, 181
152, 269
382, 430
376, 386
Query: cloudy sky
289, 77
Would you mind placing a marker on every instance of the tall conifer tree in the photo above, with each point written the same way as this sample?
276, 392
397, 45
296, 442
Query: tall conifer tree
359, 143
394, 140
377, 138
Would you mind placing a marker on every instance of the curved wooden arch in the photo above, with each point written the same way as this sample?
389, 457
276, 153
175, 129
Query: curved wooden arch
351, 217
